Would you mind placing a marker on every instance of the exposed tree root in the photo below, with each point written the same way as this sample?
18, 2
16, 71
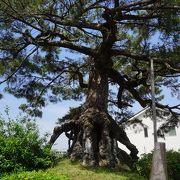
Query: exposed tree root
93, 138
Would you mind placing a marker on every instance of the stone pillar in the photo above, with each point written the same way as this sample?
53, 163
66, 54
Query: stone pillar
159, 164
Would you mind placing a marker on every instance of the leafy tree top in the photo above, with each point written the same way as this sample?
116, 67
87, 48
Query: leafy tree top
47, 48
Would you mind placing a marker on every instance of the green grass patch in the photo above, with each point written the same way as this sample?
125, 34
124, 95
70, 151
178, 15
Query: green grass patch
67, 170
35, 175
75, 171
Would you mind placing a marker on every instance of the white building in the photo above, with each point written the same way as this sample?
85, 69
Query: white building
141, 132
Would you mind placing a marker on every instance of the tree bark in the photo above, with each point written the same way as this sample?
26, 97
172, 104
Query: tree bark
98, 90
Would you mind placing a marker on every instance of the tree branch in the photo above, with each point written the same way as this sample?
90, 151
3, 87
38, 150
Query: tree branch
58, 130
38, 97
82, 24
81, 81
133, 4
19, 67
118, 78
126, 53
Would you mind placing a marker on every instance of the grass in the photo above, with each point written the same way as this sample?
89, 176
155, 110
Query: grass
67, 170
75, 171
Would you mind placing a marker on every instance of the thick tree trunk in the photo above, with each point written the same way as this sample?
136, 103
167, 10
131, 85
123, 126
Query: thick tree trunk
98, 90
94, 134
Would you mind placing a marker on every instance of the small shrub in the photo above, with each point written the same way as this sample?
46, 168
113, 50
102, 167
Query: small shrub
33, 175
173, 164
144, 165
21, 147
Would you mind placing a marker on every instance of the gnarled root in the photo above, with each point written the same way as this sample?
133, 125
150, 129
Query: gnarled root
93, 138
58, 130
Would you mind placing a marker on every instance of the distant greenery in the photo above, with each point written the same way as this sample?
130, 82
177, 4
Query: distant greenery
21, 147
173, 165
67, 170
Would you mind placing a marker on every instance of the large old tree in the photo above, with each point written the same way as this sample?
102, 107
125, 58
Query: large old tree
53, 50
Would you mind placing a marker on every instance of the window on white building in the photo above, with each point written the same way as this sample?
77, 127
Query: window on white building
145, 132
172, 131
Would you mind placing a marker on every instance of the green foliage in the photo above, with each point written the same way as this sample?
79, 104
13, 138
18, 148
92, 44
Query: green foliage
35, 33
73, 113
144, 165
21, 147
173, 164
34, 175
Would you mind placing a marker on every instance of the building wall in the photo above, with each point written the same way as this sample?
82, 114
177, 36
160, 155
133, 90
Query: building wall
146, 144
